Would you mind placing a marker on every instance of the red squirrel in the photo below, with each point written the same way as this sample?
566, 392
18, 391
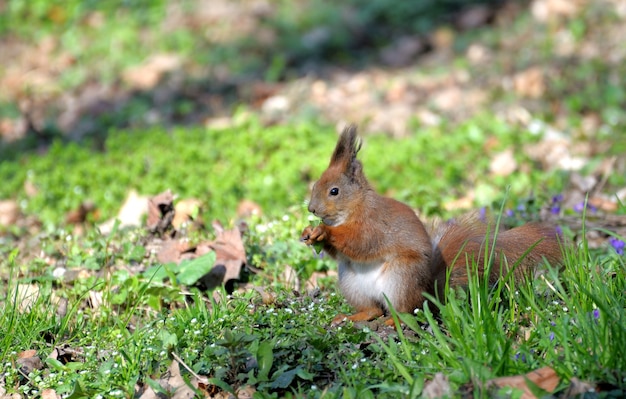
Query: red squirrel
383, 249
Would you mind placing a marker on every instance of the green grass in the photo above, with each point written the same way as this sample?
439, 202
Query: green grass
269, 165
128, 316
571, 319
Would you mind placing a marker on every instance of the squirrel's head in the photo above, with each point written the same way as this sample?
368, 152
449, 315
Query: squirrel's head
343, 184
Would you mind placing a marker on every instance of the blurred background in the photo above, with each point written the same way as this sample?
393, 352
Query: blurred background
114, 94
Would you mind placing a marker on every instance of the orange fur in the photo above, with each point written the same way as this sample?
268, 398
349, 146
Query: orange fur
384, 251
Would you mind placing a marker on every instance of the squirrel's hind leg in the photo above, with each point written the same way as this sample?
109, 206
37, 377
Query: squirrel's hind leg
366, 314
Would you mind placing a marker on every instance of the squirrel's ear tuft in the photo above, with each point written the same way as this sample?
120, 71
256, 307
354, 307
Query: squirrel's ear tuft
347, 148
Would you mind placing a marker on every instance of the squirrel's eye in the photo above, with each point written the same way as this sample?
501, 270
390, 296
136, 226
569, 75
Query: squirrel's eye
334, 191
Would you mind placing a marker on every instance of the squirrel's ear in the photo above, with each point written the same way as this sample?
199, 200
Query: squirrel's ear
347, 148
344, 156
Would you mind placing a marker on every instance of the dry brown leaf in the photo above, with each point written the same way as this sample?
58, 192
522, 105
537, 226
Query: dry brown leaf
66, 354
530, 83
466, 202
49, 394
604, 204
230, 252
9, 212
438, 387
26, 354
248, 208
147, 75
267, 297
289, 277
172, 382
313, 281
547, 10
95, 299
27, 295
160, 212
246, 392
544, 378
172, 250
79, 215
185, 211
503, 164
28, 361
130, 214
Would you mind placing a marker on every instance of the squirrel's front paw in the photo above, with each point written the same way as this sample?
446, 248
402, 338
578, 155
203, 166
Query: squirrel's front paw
311, 235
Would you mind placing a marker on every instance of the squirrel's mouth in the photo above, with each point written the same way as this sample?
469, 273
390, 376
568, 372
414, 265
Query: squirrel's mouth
333, 221
328, 221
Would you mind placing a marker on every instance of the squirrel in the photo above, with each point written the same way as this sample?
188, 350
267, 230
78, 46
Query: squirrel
383, 249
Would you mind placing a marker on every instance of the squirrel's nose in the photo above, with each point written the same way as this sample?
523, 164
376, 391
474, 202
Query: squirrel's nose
311, 209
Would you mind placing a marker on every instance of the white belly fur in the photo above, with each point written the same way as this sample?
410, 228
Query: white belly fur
363, 285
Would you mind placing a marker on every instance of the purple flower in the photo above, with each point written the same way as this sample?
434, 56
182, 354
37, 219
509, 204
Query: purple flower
551, 336
617, 244
559, 231
509, 213
557, 198
482, 214
579, 207
596, 314
555, 209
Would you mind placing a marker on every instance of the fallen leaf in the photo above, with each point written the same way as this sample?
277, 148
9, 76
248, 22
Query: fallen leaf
28, 361
49, 394
160, 212
438, 387
544, 378
247, 209
289, 277
503, 164
9, 212
79, 215
530, 83
246, 392
147, 75
26, 354
230, 252
172, 250
604, 204
95, 299
466, 202
134, 208
27, 295
185, 211
267, 297
547, 10
172, 383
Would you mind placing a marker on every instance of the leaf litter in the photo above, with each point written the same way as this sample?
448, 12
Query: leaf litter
335, 98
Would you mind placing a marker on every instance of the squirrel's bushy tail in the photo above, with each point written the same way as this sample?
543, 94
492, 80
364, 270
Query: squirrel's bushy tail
520, 250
